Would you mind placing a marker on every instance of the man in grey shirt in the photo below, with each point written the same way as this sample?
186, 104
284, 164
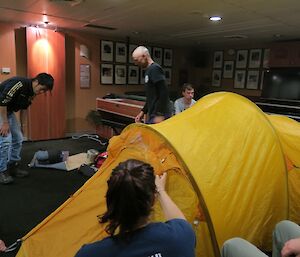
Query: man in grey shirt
187, 100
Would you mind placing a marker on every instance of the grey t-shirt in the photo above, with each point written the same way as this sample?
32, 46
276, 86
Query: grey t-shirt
180, 106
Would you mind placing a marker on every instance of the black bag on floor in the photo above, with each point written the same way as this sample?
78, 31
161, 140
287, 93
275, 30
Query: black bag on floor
87, 170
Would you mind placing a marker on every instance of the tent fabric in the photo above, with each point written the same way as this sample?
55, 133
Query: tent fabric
288, 131
226, 171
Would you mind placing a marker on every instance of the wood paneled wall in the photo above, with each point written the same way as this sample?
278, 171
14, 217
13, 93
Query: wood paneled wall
46, 53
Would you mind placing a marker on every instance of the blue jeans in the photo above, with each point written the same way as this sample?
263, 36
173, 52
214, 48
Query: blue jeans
11, 145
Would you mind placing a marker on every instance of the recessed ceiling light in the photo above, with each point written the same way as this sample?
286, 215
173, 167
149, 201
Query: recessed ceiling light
215, 18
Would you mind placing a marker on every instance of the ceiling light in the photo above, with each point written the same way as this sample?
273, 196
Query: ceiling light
215, 18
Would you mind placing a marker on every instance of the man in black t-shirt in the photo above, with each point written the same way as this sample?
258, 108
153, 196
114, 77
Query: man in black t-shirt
157, 106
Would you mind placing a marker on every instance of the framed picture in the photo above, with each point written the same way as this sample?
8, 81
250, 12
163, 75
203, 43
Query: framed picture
149, 49
255, 58
120, 74
106, 73
168, 57
131, 48
157, 55
216, 78
241, 59
85, 76
218, 59
252, 79
133, 75
107, 51
266, 58
142, 76
262, 80
239, 79
168, 74
121, 52
228, 69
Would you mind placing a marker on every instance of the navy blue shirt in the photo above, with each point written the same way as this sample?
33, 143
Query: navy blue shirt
174, 238
157, 95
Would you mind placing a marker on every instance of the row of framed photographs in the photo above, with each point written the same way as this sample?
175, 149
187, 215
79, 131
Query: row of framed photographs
248, 79
245, 58
119, 74
118, 52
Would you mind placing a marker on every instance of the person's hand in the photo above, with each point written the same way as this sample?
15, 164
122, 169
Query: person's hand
2, 246
291, 247
158, 119
139, 117
160, 182
4, 129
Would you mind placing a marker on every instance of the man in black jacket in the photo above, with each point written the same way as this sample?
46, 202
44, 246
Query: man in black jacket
157, 105
16, 94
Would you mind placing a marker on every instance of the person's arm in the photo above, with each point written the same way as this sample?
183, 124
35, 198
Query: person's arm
170, 209
291, 248
4, 129
139, 117
2, 246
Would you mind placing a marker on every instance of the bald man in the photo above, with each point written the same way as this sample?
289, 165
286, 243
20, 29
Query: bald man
157, 106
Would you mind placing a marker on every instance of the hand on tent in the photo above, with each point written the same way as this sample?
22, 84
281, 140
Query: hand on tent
160, 182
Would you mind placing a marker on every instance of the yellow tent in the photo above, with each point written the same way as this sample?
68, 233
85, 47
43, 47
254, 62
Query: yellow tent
226, 171
289, 134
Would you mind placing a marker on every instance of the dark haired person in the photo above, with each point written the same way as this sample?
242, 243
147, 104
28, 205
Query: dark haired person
157, 106
286, 243
187, 100
131, 193
16, 94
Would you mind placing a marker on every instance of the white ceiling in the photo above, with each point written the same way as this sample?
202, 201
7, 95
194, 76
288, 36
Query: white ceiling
168, 22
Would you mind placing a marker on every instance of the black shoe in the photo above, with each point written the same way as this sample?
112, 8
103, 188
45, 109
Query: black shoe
5, 178
14, 170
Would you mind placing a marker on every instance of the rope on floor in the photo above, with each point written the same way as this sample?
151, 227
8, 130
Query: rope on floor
90, 136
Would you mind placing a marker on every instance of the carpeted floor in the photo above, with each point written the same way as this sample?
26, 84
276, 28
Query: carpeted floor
27, 201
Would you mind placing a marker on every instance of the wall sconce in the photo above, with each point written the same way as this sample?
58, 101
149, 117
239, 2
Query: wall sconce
84, 51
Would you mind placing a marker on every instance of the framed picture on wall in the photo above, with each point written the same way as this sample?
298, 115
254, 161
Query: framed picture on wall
106, 73
239, 79
157, 55
131, 48
120, 74
142, 76
218, 59
149, 49
228, 69
133, 75
168, 56
266, 58
252, 79
254, 58
168, 74
121, 52
85, 76
262, 80
241, 59
216, 78
107, 51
